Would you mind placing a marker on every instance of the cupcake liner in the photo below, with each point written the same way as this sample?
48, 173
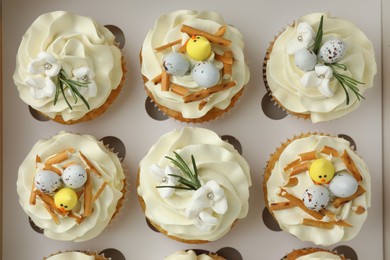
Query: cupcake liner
305, 251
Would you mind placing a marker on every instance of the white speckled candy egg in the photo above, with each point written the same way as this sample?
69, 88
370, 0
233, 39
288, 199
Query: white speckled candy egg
176, 64
332, 50
47, 181
343, 185
316, 197
74, 176
305, 59
205, 74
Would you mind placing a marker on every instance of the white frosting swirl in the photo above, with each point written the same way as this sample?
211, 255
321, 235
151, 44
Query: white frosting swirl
284, 76
290, 220
104, 207
319, 256
216, 160
75, 41
71, 256
187, 255
167, 29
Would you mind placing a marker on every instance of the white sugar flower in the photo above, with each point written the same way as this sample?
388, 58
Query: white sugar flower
210, 195
304, 38
205, 220
319, 78
44, 64
164, 178
84, 75
41, 87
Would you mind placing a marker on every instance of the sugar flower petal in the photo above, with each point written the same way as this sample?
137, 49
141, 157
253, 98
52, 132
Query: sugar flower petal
304, 38
44, 64
41, 87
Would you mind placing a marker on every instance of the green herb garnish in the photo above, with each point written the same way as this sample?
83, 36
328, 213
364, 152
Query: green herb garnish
318, 40
190, 179
66, 83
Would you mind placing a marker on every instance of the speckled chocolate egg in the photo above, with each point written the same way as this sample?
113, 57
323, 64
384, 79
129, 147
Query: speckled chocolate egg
332, 50
343, 185
74, 176
305, 59
316, 197
47, 181
206, 74
176, 64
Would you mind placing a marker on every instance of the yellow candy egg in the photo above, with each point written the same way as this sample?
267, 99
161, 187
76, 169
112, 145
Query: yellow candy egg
321, 171
65, 199
198, 48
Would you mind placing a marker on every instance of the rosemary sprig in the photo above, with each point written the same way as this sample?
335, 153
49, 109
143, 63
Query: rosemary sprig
191, 179
66, 83
345, 81
318, 39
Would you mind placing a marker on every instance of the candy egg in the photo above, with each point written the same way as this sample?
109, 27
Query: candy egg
198, 48
74, 176
176, 64
343, 185
47, 181
205, 74
305, 59
316, 197
65, 199
321, 171
332, 50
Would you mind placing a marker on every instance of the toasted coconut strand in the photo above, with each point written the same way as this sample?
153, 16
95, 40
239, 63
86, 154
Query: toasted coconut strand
180, 90
292, 182
330, 151
317, 224
351, 166
49, 200
79, 193
52, 168
157, 79
88, 195
212, 38
33, 195
37, 160
360, 210
227, 67
281, 205
99, 191
183, 48
80, 220
66, 165
291, 165
170, 44
89, 164
308, 156
165, 82
202, 104
299, 203
60, 157
227, 58
341, 223
340, 201
221, 31
302, 167
196, 96
52, 214
329, 214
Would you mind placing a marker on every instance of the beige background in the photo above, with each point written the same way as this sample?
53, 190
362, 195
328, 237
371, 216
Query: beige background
128, 120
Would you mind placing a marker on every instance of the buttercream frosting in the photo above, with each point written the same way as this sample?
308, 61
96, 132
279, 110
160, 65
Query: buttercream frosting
218, 163
322, 103
80, 47
71, 256
105, 205
187, 255
291, 219
319, 256
166, 30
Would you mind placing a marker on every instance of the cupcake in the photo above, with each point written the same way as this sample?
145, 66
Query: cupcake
193, 65
319, 67
191, 255
313, 253
193, 186
71, 186
68, 67
76, 255
318, 189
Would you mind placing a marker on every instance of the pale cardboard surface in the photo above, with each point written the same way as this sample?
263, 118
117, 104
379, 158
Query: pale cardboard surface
127, 119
